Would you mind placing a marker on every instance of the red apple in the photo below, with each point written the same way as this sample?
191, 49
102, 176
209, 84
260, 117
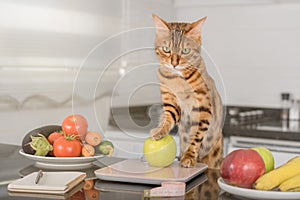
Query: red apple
242, 167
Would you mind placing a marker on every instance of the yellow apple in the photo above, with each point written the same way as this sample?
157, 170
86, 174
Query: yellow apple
160, 153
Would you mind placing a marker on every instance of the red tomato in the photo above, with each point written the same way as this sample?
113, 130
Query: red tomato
54, 136
75, 125
66, 147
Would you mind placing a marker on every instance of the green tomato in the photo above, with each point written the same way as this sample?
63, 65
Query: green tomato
160, 153
267, 156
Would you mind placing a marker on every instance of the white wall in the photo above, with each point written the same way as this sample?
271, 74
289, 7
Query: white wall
43, 44
256, 47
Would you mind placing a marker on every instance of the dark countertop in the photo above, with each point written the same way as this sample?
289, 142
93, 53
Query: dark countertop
272, 130
14, 166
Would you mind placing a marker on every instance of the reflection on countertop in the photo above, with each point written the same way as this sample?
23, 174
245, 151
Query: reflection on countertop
13, 163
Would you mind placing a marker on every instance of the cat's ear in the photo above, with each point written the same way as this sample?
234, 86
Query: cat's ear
161, 25
196, 29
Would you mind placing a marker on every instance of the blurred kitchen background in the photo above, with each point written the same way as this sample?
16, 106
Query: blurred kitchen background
96, 58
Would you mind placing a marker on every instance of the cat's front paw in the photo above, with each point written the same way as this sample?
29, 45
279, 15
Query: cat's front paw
187, 161
157, 133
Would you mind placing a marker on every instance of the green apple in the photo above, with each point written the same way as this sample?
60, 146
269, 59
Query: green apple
267, 156
160, 153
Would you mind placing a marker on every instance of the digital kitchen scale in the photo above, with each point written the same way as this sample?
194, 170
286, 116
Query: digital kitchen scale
139, 171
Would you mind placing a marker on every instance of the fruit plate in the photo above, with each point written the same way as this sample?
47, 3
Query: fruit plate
61, 163
257, 194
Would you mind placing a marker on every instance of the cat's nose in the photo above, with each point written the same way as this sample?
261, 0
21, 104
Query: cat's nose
175, 60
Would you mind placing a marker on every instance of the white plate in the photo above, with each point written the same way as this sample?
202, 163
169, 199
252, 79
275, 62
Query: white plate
61, 162
257, 194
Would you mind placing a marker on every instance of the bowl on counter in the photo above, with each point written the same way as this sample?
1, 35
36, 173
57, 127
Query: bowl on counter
61, 163
50, 162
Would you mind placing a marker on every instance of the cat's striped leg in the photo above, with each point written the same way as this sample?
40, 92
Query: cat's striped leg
167, 122
215, 156
170, 116
183, 131
198, 131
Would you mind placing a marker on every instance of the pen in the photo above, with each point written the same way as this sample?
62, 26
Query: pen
39, 176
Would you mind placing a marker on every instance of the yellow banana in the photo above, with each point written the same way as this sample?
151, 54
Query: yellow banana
291, 185
277, 176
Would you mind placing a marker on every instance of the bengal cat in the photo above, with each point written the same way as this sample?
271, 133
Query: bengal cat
189, 96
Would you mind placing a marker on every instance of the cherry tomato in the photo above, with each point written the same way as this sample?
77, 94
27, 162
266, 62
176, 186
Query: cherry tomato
75, 125
67, 146
54, 136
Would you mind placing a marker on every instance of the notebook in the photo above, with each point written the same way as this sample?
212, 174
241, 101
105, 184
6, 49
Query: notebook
66, 195
51, 182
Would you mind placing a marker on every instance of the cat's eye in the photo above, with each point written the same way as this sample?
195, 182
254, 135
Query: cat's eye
186, 51
166, 49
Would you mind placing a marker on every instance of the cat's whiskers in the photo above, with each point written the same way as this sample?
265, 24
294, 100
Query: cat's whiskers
173, 69
180, 67
178, 72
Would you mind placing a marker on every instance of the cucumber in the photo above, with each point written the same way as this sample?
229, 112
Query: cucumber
106, 148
